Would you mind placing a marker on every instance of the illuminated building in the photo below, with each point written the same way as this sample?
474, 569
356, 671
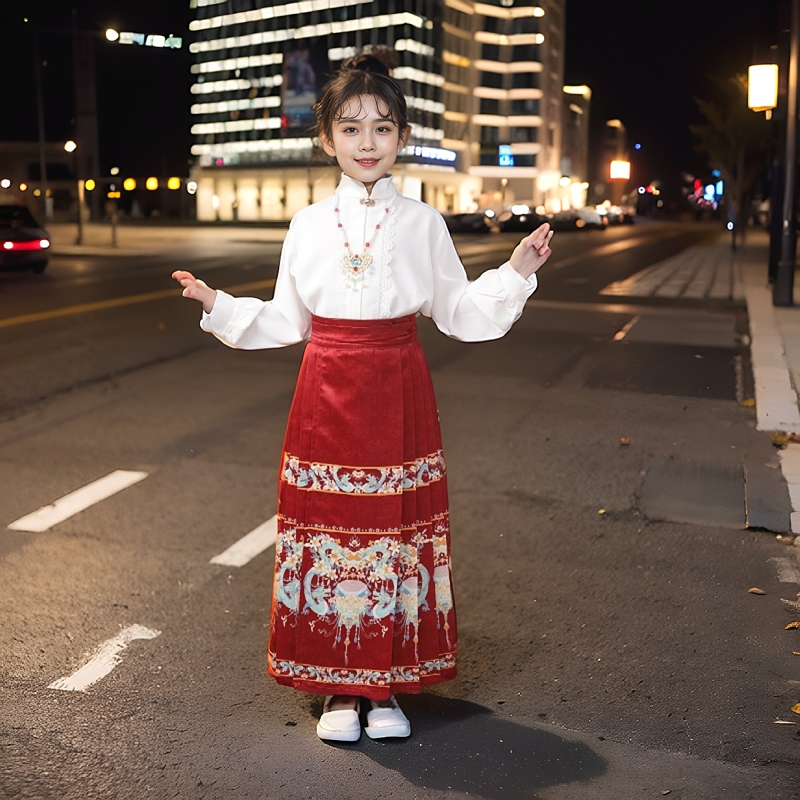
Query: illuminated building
480, 78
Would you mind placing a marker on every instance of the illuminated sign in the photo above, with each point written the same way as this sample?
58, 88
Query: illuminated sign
432, 153
504, 156
149, 40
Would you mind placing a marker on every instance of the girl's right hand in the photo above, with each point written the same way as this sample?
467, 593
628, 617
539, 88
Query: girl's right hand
196, 289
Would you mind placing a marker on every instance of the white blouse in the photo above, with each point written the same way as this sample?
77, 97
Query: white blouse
415, 269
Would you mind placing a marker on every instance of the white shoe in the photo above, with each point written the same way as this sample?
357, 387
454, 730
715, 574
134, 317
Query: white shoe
383, 721
339, 724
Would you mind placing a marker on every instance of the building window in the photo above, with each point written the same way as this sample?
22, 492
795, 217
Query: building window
490, 52
525, 80
525, 107
489, 135
525, 52
489, 106
524, 134
493, 80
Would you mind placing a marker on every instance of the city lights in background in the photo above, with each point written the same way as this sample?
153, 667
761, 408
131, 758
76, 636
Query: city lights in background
191, 187
114, 171
70, 146
146, 39
151, 184
174, 183
5, 183
620, 170
129, 184
89, 185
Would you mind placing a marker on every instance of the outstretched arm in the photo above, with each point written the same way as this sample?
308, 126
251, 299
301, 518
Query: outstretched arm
196, 289
532, 251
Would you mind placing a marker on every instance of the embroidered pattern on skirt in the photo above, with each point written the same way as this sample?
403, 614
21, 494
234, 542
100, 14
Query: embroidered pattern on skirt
362, 596
363, 480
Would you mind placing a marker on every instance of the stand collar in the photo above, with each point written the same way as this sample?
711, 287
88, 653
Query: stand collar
383, 190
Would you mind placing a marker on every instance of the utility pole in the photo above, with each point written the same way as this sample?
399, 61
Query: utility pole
783, 288
48, 203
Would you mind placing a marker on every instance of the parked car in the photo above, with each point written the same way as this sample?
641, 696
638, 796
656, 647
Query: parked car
618, 215
519, 218
578, 219
24, 244
466, 223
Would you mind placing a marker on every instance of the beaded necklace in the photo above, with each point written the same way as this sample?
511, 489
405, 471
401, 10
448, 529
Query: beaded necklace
356, 266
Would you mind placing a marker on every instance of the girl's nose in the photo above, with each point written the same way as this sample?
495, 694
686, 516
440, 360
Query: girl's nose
366, 143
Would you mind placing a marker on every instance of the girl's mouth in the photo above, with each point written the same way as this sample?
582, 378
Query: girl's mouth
367, 162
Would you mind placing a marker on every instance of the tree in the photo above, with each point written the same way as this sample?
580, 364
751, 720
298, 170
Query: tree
736, 141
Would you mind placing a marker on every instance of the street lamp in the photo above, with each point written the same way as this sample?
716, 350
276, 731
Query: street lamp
71, 147
762, 96
762, 87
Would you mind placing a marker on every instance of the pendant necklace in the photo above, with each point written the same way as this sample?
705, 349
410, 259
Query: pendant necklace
356, 266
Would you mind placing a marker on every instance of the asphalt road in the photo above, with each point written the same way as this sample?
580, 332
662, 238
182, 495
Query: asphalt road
609, 647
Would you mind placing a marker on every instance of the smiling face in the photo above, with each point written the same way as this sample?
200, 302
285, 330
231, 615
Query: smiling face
365, 140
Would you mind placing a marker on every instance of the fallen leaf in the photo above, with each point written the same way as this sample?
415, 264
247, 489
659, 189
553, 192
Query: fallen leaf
750, 402
756, 590
624, 440
793, 626
781, 438
796, 708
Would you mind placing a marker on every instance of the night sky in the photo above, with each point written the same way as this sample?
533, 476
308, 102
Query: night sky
643, 59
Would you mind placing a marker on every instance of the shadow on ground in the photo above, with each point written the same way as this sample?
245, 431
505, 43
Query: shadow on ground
464, 747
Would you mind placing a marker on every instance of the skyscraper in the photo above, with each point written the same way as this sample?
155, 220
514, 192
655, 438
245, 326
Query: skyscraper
483, 83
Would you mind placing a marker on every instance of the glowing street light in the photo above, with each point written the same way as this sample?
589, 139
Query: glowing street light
112, 35
151, 184
129, 184
620, 170
174, 183
762, 87
70, 146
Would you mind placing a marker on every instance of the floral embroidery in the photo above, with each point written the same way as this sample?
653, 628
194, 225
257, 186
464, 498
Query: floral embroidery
352, 589
363, 480
361, 677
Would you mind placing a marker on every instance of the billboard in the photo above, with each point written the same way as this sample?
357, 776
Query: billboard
298, 92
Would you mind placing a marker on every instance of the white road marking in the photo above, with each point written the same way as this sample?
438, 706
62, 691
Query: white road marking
248, 547
623, 332
103, 660
788, 572
79, 500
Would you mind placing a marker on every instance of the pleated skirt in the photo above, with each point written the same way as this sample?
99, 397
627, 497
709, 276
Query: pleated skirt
363, 598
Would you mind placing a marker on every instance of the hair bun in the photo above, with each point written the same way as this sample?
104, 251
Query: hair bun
366, 63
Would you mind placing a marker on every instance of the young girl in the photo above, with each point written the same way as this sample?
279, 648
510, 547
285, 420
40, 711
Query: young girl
362, 601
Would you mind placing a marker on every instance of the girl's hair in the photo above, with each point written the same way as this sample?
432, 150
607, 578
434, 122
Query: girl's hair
360, 75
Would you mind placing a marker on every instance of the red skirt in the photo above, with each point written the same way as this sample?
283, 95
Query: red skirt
363, 600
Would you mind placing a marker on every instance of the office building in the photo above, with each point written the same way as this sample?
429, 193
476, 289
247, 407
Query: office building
483, 82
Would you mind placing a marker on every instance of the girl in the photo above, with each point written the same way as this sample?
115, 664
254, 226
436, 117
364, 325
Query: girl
363, 601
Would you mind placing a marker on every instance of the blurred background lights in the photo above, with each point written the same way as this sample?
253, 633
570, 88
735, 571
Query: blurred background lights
151, 184
620, 170
70, 146
191, 187
762, 87
114, 170
89, 185
637, 146
112, 35
129, 184
5, 183
23, 187
174, 183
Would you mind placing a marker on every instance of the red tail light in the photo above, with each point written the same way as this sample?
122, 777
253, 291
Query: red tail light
37, 244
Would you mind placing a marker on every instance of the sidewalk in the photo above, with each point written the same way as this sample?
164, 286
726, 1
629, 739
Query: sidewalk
775, 353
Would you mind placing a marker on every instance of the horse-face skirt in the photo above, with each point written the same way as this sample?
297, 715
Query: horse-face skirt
363, 599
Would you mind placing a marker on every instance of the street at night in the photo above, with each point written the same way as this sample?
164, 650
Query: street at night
608, 650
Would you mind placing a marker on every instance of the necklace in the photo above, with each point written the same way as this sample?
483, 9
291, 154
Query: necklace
356, 266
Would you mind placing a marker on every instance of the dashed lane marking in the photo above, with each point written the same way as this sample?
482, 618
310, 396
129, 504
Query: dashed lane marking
248, 547
79, 500
103, 660
115, 302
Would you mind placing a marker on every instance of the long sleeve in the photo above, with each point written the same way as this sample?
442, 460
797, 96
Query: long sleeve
248, 323
479, 310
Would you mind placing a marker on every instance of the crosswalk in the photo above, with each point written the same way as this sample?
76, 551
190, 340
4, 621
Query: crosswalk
101, 661
702, 272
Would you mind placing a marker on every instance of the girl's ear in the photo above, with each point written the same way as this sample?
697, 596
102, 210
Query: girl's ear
404, 137
327, 145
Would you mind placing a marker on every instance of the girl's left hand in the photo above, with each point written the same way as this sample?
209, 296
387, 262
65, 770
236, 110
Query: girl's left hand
532, 251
